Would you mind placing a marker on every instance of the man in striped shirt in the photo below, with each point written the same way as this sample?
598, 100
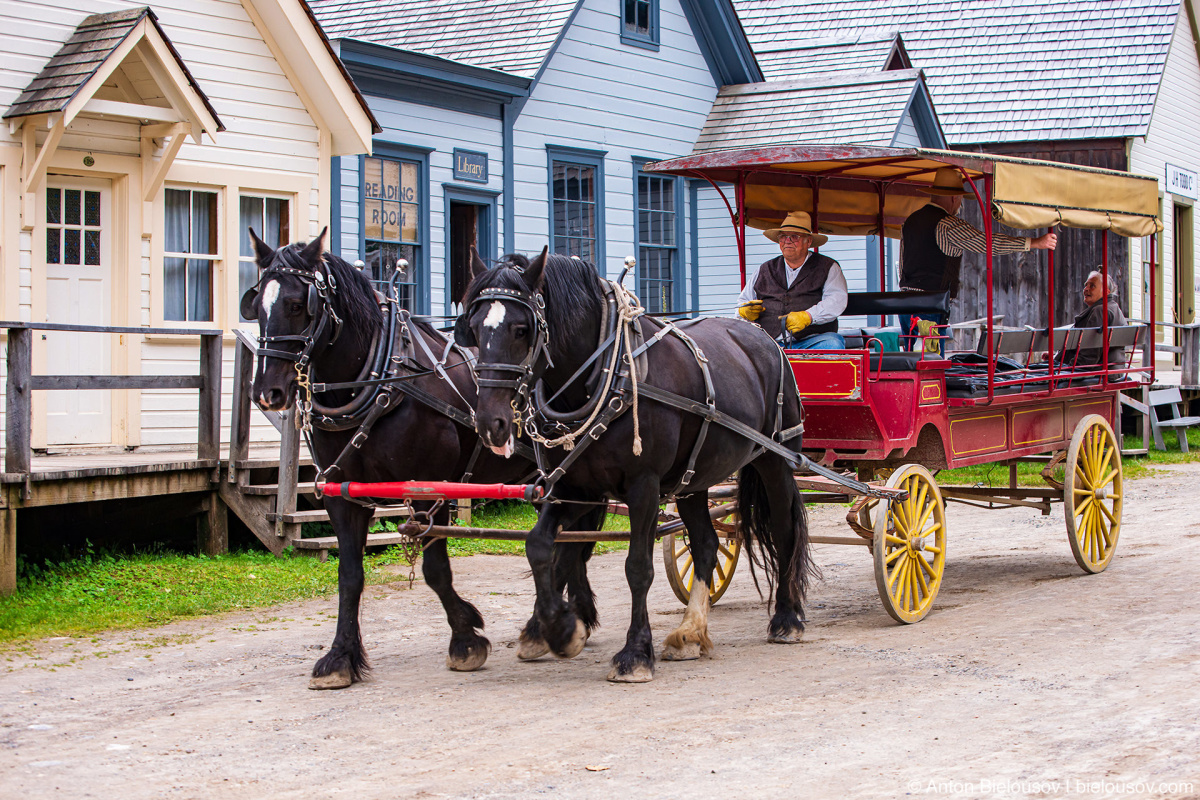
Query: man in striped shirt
932, 242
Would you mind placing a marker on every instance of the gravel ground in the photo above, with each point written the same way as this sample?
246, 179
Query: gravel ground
1028, 679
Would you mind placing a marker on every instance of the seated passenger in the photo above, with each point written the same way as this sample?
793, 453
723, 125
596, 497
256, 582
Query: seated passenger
1093, 317
797, 296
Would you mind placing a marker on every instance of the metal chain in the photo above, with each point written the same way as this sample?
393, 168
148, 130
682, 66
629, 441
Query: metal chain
412, 532
304, 404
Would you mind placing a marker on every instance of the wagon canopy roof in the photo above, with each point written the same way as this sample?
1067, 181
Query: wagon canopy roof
1027, 193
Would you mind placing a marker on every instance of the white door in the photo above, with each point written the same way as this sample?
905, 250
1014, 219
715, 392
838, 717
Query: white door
78, 258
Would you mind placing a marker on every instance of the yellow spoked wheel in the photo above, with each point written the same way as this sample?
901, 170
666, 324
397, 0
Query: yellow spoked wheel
677, 558
909, 547
1092, 493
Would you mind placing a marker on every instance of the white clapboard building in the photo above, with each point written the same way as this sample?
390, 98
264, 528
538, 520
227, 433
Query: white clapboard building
138, 144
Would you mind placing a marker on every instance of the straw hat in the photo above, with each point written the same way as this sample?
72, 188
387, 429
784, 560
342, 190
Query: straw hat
797, 222
946, 181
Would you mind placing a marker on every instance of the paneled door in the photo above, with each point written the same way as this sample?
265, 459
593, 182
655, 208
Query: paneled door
78, 259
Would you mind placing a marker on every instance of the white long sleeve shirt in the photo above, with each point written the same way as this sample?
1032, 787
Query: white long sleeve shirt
834, 294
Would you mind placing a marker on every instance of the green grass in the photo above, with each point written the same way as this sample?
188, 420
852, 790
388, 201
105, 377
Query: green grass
992, 475
105, 592
101, 592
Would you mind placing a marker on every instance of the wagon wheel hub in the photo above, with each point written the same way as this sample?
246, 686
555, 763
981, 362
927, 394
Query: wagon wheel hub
1101, 493
916, 544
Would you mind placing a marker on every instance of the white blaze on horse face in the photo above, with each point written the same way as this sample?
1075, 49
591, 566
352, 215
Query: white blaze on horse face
494, 316
269, 296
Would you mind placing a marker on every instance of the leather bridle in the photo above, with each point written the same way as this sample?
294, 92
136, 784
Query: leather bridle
320, 310
526, 373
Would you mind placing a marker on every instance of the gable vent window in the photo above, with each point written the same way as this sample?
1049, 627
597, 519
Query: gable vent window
639, 23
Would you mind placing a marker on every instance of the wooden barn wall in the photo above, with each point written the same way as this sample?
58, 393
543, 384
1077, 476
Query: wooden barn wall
1022, 281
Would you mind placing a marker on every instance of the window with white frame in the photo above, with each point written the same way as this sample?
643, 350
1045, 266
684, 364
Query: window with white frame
271, 221
189, 254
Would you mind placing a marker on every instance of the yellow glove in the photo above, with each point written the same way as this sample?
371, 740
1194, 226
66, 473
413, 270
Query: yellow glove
798, 321
750, 311
929, 329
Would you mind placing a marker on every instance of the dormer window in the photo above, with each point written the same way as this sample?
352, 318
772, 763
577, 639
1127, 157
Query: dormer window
639, 23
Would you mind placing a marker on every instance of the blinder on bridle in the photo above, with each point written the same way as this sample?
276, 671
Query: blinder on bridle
522, 383
321, 288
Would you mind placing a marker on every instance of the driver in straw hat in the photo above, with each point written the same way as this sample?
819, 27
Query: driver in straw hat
799, 291
932, 242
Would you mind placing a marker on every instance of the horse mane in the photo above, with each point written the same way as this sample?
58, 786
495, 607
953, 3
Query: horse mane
354, 301
571, 287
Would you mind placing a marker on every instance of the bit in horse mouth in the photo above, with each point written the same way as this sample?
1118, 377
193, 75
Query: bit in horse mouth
506, 450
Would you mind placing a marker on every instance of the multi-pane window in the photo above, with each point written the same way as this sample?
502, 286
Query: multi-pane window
391, 221
658, 247
639, 23
190, 253
574, 198
72, 227
269, 218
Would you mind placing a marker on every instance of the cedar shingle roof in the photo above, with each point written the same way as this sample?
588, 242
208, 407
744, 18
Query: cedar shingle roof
513, 36
1003, 70
828, 57
81, 55
859, 109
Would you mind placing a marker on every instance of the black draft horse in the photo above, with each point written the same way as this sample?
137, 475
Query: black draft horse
411, 442
747, 376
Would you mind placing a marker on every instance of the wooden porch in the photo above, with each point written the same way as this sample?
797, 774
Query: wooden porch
268, 486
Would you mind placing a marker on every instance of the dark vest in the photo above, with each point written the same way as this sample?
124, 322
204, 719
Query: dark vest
779, 299
925, 266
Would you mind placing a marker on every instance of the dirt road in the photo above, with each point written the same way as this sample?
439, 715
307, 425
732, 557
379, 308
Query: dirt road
1028, 679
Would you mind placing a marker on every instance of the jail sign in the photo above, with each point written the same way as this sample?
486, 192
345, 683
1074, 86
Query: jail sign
1182, 182
470, 166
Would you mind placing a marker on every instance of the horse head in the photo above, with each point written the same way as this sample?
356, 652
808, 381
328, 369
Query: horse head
287, 301
503, 316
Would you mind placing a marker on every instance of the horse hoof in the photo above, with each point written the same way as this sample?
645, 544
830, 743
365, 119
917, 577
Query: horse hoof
472, 662
685, 651
334, 680
792, 636
531, 649
574, 645
640, 674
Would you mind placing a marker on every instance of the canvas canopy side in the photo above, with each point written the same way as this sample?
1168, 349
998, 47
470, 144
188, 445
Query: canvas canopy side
1029, 195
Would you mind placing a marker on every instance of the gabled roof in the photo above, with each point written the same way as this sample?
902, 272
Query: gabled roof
517, 36
862, 109
868, 53
513, 36
89, 54
1004, 70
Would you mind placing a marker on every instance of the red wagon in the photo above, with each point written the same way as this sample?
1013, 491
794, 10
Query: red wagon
898, 418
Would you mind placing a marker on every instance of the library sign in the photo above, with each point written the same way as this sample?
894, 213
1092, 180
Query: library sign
470, 166
1182, 182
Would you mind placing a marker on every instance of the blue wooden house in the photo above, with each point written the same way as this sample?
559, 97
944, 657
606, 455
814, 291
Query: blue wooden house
519, 123
515, 124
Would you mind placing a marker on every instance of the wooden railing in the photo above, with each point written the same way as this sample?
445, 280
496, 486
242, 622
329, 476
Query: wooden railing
18, 456
245, 351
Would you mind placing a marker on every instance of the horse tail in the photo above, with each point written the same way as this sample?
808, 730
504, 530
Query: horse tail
790, 556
